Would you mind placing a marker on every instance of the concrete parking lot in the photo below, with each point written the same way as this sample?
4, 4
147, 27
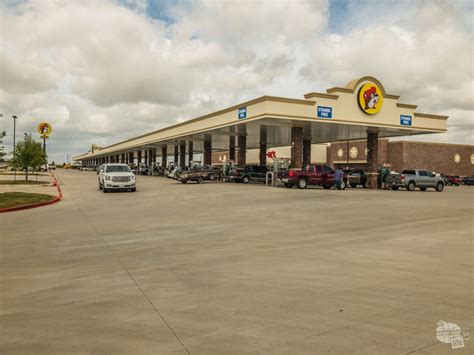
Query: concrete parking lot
232, 268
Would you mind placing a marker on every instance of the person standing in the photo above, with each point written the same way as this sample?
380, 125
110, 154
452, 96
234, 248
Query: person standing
338, 176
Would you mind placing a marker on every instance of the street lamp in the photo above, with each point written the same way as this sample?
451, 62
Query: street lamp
14, 145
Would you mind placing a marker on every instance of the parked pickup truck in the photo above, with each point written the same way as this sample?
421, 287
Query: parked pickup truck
249, 173
452, 180
321, 175
411, 179
199, 174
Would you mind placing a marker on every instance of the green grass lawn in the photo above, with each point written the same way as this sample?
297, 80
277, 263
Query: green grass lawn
22, 182
21, 174
14, 199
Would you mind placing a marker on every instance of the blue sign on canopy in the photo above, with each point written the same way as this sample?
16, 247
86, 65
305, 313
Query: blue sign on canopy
405, 120
242, 113
324, 112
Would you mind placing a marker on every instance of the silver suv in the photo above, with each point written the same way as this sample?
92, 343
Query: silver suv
116, 177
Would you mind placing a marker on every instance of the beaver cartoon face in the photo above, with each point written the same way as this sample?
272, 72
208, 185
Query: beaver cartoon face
371, 98
44, 128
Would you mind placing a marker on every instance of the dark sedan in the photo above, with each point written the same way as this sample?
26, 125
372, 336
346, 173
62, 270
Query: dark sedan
468, 180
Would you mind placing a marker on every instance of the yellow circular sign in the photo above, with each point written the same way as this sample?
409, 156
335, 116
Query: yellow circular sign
370, 98
45, 129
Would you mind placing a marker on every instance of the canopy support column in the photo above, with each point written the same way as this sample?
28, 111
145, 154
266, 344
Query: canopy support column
262, 155
232, 148
296, 147
242, 157
372, 158
208, 150
182, 154
190, 152
164, 156
306, 152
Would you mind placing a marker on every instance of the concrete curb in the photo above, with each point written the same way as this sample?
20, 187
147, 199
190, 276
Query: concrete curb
55, 199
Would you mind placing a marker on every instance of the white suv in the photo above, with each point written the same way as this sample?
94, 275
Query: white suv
116, 177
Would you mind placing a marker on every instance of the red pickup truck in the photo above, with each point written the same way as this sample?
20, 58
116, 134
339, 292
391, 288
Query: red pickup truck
321, 175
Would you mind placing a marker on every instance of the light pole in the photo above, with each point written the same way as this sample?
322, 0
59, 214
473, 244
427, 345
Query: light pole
14, 145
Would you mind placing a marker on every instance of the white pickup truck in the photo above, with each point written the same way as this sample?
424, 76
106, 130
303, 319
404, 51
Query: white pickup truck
411, 179
116, 177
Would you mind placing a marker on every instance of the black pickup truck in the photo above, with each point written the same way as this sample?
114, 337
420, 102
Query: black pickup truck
249, 173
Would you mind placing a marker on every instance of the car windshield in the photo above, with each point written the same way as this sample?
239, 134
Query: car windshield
117, 169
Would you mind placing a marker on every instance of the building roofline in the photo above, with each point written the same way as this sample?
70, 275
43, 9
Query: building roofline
321, 95
427, 115
399, 104
209, 115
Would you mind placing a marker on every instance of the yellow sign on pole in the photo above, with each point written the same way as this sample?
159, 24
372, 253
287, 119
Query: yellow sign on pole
45, 129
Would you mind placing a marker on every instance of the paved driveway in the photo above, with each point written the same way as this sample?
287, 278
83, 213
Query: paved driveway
233, 268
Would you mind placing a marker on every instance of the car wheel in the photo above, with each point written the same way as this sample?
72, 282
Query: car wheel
289, 186
200, 180
326, 187
439, 187
104, 190
422, 188
411, 186
212, 177
394, 188
353, 185
184, 181
302, 183
134, 189
245, 179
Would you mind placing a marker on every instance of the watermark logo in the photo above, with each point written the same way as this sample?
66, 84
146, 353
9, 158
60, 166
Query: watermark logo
451, 333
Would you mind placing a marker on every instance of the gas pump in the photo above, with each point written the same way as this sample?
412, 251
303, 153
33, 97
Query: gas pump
283, 164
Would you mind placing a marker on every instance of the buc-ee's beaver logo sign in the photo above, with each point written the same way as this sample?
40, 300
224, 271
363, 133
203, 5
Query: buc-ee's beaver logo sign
45, 129
370, 98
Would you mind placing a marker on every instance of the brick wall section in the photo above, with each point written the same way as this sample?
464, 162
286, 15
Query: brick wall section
395, 156
438, 157
402, 155
360, 145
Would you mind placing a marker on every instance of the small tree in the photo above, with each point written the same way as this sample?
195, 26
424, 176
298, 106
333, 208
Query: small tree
2, 147
28, 154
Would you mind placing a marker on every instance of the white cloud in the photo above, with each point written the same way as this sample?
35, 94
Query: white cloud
101, 72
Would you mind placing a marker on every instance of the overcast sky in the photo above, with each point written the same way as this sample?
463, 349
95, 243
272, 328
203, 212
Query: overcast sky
102, 70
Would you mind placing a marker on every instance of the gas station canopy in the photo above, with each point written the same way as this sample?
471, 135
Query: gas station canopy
340, 114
